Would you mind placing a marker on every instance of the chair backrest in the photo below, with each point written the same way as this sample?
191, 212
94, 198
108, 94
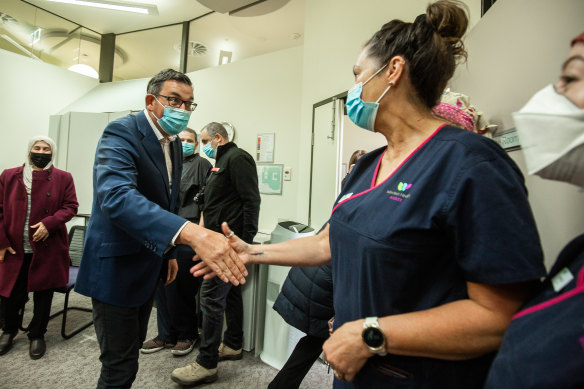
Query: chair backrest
76, 240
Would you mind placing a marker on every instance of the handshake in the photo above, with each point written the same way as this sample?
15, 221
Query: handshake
224, 256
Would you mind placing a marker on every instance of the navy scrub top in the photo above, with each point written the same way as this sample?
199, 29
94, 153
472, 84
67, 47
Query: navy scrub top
456, 210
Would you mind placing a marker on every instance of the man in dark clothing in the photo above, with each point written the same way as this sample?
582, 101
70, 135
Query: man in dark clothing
232, 195
176, 313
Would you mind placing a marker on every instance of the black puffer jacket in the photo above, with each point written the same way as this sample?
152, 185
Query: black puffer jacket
306, 300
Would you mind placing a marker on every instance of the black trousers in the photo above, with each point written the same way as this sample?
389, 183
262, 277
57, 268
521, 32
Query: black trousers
297, 366
14, 305
181, 298
218, 297
120, 333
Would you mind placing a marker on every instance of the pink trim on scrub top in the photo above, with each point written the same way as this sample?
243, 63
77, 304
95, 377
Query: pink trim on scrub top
556, 300
373, 186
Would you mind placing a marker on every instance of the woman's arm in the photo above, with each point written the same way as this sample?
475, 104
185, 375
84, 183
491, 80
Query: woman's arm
302, 252
458, 330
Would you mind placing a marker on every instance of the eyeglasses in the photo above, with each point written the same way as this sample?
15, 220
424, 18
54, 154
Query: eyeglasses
176, 102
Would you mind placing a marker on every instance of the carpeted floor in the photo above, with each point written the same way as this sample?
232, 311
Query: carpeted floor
74, 363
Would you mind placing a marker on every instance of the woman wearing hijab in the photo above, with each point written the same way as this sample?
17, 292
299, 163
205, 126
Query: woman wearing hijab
36, 200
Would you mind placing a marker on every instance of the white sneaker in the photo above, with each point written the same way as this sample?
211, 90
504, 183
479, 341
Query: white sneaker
193, 374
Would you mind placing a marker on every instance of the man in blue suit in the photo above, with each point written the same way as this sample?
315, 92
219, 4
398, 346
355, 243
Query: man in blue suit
133, 226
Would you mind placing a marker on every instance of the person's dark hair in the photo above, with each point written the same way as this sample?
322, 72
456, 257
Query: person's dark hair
356, 155
216, 128
188, 129
155, 84
431, 46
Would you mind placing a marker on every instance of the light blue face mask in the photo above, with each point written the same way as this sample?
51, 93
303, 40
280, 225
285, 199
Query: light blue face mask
209, 150
174, 120
363, 113
188, 149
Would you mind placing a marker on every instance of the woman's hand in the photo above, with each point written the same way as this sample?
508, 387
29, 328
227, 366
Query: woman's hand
243, 250
345, 350
3, 252
41, 234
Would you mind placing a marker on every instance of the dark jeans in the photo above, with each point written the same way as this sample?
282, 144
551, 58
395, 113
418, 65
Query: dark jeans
176, 304
120, 333
218, 297
14, 305
299, 363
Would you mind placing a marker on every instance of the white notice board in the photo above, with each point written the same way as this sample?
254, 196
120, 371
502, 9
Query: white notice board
265, 147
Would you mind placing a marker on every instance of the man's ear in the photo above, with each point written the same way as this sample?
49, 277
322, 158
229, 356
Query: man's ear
149, 100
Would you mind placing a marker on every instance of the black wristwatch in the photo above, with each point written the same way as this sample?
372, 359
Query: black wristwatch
373, 336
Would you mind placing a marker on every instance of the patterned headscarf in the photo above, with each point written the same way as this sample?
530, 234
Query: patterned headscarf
456, 108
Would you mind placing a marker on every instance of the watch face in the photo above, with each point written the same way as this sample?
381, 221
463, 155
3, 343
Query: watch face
373, 337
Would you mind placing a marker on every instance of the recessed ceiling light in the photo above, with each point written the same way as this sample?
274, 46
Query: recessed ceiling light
84, 69
146, 9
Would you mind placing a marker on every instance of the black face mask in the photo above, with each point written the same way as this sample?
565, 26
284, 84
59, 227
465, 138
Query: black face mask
40, 160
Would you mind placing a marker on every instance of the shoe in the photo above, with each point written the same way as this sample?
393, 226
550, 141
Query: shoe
6, 342
154, 345
227, 353
183, 347
37, 348
193, 374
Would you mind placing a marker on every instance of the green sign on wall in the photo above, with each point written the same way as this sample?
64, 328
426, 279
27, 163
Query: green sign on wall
270, 178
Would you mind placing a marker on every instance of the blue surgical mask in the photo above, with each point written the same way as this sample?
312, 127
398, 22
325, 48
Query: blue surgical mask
174, 120
188, 149
363, 113
209, 150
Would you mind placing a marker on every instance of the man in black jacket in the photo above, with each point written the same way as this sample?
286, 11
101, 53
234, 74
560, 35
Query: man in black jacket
232, 195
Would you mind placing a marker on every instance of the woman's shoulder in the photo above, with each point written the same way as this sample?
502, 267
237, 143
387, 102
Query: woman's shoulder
475, 146
12, 171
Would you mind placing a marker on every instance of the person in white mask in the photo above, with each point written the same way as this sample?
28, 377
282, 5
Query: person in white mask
544, 344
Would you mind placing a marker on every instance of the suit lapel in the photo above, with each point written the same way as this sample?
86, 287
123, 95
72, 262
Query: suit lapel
153, 148
176, 157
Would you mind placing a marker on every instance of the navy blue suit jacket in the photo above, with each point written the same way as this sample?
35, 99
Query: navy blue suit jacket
132, 219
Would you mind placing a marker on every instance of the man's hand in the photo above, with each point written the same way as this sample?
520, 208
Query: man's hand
242, 249
3, 252
214, 250
41, 234
172, 271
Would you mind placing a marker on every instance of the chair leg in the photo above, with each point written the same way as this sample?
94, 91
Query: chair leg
64, 311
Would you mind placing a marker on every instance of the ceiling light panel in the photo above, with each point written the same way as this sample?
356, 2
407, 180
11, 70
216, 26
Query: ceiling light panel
146, 9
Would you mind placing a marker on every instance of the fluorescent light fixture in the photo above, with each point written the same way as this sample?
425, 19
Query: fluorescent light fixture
84, 69
146, 9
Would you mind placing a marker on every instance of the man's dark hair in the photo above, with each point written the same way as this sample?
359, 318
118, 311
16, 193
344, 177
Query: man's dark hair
188, 129
155, 83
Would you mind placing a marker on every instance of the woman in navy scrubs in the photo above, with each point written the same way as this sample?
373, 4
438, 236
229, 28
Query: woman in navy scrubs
432, 240
544, 344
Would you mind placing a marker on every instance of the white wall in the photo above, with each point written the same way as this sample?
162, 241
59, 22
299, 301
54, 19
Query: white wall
516, 49
256, 95
31, 92
334, 34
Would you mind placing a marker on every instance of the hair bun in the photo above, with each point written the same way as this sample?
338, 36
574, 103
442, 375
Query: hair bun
448, 18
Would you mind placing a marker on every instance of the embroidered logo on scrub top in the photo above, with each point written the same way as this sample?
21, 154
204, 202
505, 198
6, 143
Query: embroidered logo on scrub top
403, 186
399, 196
